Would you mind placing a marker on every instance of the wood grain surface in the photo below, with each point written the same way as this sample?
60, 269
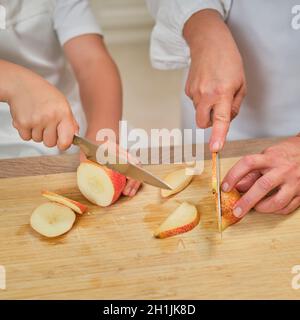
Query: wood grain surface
111, 253
68, 163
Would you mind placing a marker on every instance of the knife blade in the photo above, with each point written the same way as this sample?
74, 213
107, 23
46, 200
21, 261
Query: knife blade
216, 187
128, 169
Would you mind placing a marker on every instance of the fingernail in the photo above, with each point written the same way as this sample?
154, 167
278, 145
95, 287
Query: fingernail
225, 186
237, 212
216, 146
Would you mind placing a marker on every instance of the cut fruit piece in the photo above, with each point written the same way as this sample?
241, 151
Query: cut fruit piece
214, 172
228, 200
178, 180
183, 219
99, 184
52, 219
74, 205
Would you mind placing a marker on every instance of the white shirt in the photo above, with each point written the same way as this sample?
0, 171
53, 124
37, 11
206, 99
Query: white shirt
270, 46
35, 32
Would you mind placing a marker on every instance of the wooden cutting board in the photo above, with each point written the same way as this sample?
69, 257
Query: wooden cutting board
112, 254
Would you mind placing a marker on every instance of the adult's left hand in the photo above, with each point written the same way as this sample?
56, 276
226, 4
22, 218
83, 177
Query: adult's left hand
270, 180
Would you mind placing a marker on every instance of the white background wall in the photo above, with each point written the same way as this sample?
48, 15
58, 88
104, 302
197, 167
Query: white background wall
123, 20
151, 97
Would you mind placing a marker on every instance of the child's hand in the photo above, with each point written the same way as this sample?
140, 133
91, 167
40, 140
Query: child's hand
39, 111
131, 188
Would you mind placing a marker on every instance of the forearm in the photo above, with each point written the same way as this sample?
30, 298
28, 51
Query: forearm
101, 96
203, 27
99, 83
7, 70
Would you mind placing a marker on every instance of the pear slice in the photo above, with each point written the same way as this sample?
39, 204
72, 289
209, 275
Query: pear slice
52, 219
72, 204
183, 219
178, 180
228, 200
99, 184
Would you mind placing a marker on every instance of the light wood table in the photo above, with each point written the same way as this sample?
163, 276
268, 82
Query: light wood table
111, 253
68, 163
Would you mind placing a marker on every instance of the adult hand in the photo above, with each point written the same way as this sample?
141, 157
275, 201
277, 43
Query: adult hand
270, 180
216, 81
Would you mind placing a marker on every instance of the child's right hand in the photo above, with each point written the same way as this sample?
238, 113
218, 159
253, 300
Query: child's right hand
40, 111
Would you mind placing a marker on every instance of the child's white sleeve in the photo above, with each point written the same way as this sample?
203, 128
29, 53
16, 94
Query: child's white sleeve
169, 49
73, 18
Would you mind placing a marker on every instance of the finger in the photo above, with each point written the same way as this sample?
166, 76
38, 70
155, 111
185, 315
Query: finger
203, 105
237, 101
242, 168
25, 134
292, 206
277, 201
135, 189
259, 190
203, 116
221, 122
37, 134
50, 136
129, 185
247, 182
65, 133
82, 156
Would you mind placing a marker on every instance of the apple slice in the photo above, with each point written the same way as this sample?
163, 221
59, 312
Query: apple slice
228, 200
183, 219
99, 184
74, 205
52, 219
178, 180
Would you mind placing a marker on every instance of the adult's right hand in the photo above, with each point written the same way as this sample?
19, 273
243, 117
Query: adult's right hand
216, 81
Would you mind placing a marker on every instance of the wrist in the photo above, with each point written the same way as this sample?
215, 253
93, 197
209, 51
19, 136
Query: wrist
203, 27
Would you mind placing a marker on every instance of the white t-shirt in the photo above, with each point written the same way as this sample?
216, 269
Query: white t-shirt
268, 38
35, 32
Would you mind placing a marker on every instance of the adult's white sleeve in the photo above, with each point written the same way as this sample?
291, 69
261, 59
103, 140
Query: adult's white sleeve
73, 18
168, 49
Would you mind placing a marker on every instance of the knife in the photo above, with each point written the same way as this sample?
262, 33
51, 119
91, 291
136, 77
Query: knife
128, 169
216, 188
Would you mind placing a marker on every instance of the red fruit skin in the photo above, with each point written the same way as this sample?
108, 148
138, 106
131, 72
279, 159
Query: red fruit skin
82, 207
228, 200
119, 182
179, 230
